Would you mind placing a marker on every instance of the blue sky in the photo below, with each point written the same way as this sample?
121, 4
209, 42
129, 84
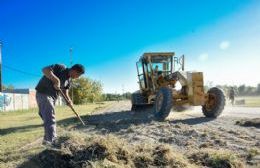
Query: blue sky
220, 38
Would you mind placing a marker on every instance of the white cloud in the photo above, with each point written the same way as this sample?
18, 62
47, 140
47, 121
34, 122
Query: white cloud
224, 45
203, 57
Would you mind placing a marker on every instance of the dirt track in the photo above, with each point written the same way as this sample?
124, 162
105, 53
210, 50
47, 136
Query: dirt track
185, 131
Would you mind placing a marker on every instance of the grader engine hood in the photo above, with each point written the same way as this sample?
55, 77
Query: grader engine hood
195, 88
193, 82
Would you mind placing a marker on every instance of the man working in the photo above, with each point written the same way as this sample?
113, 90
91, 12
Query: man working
232, 95
56, 77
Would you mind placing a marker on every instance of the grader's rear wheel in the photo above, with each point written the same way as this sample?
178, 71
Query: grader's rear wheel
163, 103
215, 103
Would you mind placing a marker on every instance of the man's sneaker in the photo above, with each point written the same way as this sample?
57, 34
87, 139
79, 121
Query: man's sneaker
47, 144
44, 142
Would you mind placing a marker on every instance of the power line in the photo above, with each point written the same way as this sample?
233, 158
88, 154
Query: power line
20, 71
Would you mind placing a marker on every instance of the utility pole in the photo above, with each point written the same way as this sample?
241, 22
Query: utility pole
1, 87
72, 96
123, 90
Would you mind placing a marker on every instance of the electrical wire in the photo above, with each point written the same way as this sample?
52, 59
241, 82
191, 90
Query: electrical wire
20, 71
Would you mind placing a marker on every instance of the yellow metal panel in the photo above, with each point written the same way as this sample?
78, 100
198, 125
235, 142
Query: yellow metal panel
197, 76
198, 83
195, 88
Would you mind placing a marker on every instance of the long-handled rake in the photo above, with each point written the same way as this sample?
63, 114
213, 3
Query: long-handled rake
72, 108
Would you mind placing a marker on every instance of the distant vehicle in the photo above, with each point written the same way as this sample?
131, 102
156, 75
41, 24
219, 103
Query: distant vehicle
158, 74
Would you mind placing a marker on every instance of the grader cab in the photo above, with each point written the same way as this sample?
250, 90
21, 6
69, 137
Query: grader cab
159, 74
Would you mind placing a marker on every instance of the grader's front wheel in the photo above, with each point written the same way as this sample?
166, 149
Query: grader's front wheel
163, 103
215, 103
138, 101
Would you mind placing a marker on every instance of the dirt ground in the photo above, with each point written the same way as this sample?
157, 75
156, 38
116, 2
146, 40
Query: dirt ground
185, 131
124, 138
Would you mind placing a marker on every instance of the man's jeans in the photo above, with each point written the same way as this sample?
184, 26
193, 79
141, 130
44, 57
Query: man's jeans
46, 111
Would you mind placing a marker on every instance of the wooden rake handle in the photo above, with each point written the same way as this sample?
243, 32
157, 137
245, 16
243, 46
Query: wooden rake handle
72, 108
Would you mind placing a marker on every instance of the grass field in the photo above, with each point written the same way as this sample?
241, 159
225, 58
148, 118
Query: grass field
21, 131
250, 101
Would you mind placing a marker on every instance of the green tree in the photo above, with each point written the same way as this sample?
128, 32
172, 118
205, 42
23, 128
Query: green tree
250, 90
9, 87
127, 95
258, 89
241, 89
86, 90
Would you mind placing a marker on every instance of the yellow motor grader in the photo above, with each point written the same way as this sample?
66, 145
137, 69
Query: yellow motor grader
159, 73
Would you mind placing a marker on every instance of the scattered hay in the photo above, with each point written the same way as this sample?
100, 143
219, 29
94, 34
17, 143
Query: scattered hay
216, 159
220, 142
252, 153
164, 156
142, 160
159, 156
80, 151
255, 122
207, 144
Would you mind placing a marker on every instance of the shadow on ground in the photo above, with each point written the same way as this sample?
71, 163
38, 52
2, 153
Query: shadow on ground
32, 162
111, 121
6, 131
116, 121
254, 122
193, 121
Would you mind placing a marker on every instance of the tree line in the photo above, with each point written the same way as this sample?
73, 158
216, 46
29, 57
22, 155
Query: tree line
241, 90
86, 90
116, 97
7, 87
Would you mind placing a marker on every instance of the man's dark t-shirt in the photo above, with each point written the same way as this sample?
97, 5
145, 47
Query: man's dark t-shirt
45, 85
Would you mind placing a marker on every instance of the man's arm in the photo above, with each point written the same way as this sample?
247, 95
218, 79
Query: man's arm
47, 71
66, 93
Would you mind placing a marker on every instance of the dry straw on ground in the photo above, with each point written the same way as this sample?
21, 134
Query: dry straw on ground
255, 122
108, 151
216, 158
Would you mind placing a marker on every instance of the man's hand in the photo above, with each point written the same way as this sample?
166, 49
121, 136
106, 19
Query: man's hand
70, 103
57, 85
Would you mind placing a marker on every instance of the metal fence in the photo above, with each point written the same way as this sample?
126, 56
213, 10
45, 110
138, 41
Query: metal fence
17, 101
12, 101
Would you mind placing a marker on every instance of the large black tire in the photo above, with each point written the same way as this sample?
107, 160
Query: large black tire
216, 95
163, 104
138, 101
